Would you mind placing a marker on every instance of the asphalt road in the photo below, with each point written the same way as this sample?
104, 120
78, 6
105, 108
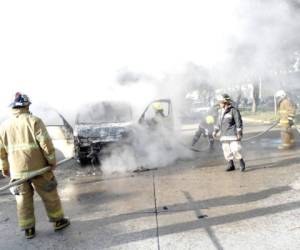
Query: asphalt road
191, 204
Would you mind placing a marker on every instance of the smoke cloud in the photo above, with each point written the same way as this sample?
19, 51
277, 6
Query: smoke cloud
64, 54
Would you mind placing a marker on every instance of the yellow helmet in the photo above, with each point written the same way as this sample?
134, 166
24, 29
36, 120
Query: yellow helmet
210, 119
157, 106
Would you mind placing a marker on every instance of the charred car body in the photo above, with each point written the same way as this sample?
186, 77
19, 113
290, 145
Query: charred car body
97, 126
102, 125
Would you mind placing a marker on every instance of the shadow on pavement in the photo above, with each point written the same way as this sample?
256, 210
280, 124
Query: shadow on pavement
118, 239
277, 164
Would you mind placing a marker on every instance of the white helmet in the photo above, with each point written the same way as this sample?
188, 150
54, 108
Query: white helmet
223, 98
280, 94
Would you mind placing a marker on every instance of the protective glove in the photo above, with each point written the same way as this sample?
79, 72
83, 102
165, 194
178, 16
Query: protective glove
5, 173
14, 190
239, 136
53, 167
291, 122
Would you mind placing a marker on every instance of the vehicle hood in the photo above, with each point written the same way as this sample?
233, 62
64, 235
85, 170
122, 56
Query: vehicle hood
105, 131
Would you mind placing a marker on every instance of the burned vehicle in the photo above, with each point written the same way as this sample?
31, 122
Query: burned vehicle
97, 126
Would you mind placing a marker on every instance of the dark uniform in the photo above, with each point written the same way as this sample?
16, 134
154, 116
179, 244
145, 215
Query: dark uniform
206, 128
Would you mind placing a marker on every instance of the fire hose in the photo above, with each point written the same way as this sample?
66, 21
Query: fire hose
247, 139
297, 129
263, 132
32, 175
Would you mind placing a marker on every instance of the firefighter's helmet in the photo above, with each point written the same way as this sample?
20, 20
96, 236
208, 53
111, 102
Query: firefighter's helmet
20, 101
224, 98
210, 119
280, 94
157, 106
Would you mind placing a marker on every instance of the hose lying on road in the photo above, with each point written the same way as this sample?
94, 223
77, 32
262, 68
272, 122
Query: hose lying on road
34, 174
262, 133
247, 139
297, 129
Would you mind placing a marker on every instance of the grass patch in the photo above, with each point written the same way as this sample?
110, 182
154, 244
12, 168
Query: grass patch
267, 116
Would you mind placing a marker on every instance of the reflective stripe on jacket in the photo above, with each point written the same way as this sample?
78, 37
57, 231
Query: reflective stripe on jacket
25, 145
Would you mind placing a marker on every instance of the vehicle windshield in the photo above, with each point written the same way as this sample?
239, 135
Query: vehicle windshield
104, 112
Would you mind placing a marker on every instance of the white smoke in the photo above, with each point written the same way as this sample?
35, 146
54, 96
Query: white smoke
68, 53
150, 149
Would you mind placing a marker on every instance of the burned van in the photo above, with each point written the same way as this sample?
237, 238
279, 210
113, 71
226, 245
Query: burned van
99, 125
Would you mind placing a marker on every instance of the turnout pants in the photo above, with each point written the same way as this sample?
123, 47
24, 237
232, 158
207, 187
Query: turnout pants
45, 186
232, 150
287, 137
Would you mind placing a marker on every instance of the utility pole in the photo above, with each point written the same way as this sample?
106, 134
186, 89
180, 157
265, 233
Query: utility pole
260, 88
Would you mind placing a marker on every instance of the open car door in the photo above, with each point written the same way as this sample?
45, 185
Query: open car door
59, 130
158, 111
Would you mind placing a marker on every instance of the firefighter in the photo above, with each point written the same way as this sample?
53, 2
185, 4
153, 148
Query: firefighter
206, 128
159, 111
287, 111
159, 116
25, 148
230, 126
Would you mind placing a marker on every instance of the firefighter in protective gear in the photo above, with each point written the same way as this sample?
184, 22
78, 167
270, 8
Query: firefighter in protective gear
206, 128
287, 112
25, 147
230, 126
159, 111
159, 115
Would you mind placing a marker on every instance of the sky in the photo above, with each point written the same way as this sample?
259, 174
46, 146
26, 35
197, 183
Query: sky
66, 50
66, 53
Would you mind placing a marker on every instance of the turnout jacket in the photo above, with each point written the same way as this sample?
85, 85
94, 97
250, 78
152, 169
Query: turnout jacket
25, 145
287, 111
229, 123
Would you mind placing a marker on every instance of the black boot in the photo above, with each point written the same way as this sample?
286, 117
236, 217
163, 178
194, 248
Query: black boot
61, 224
242, 165
29, 233
230, 166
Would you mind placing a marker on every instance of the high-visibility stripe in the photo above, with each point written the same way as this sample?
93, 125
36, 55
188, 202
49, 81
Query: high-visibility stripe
26, 223
20, 147
228, 138
284, 121
22, 175
57, 214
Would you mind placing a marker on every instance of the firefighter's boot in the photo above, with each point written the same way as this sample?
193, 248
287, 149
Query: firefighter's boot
242, 165
30, 233
230, 166
61, 224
